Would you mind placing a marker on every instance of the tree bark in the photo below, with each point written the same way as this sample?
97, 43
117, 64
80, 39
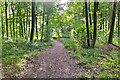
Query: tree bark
27, 23
6, 19
90, 16
12, 8
16, 25
118, 19
36, 28
87, 25
33, 21
43, 16
95, 24
2, 24
112, 22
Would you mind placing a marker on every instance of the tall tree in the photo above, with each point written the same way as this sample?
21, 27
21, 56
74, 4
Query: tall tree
11, 31
2, 24
33, 21
26, 21
36, 28
16, 24
87, 24
112, 22
95, 23
43, 16
6, 19
90, 16
118, 19
12, 8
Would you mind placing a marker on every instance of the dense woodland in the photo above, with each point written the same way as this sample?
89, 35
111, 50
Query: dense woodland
89, 30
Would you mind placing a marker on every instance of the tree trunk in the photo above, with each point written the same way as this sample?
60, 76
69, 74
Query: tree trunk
12, 8
112, 22
2, 24
43, 16
95, 24
47, 31
6, 19
33, 21
90, 16
101, 21
118, 19
27, 22
36, 28
87, 25
16, 25
10, 22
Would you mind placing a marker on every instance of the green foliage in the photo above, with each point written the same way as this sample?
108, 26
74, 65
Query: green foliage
110, 64
84, 75
104, 75
86, 56
102, 37
14, 54
70, 43
106, 63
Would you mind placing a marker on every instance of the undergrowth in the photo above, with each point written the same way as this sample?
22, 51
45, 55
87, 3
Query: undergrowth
100, 64
14, 54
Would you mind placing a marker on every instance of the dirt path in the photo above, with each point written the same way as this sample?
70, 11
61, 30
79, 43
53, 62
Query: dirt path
52, 63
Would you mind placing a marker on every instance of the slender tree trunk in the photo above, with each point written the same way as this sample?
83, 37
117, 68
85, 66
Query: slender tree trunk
118, 19
95, 24
36, 28
47, 31
6, 19
21, 28
101, 21
10, 22
87, 25
12, 7
21, 25
27, 22
90, 16
24, 20
16, 25
112, 22
43, 16
33, 21
2, 24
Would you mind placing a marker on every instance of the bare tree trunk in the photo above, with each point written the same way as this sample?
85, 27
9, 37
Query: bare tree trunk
36, 28
118, 19
95, 24
33, 21
112, 22
87, 25
43, 16
2, 24
6, 19
12, 8
27, 22
16, 25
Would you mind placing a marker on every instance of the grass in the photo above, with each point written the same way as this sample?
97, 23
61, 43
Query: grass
14, 54
85, 55
102, 64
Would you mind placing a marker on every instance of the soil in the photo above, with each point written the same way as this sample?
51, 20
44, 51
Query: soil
52, 63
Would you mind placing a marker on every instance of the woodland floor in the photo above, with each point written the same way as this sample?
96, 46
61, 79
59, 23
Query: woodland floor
55, 62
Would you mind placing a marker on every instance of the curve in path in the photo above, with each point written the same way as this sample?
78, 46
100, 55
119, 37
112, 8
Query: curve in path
52, 63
